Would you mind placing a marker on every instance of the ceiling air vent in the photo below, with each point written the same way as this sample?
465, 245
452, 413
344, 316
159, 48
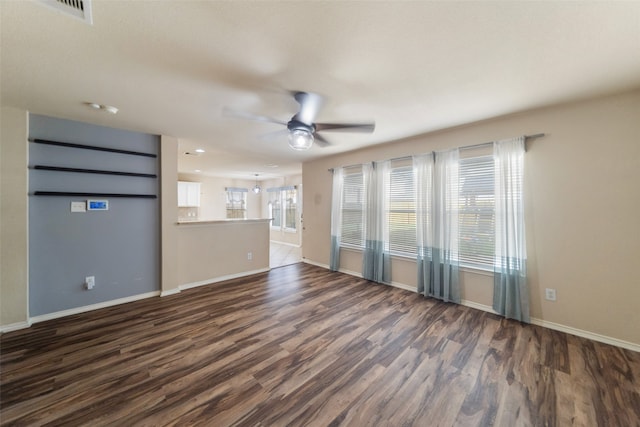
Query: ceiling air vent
80, 9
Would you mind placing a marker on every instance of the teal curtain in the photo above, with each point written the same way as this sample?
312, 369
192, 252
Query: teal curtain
336, 218
510, 289
437, 225
376, 260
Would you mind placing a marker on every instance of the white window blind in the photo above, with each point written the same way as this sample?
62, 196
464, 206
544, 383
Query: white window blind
283, 207
477, 212
290, 206
353, 192
275, 212
401, 213
236, 203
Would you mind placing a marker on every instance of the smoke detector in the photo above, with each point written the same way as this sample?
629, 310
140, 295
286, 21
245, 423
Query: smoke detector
80, 9
108, 108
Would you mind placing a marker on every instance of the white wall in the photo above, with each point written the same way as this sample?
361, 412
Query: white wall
14, 269
208, 252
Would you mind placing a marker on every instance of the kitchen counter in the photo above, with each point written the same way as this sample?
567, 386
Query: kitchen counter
224, 221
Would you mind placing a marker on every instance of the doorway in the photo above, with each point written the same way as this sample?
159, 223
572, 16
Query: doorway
285, 209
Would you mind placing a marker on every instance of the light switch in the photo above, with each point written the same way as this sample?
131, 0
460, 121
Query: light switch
78, 207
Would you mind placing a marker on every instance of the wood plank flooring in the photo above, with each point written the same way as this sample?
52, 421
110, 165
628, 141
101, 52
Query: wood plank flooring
300, 346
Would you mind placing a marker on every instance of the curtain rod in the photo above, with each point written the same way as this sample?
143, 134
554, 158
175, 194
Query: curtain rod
466, 147
484, 144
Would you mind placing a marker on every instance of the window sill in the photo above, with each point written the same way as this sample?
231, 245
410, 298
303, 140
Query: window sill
351, 248
477, 270
404, 257
465, 268
394, 255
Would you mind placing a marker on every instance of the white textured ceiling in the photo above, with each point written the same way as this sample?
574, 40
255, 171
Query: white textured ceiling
413, 67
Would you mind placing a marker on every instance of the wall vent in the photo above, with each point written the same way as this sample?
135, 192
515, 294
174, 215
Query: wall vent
80, 9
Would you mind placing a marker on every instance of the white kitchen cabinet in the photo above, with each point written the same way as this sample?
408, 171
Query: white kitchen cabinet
188, 194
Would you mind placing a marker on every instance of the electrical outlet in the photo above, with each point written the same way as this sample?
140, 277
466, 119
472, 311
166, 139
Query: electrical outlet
550, 294
89, 282
249, 256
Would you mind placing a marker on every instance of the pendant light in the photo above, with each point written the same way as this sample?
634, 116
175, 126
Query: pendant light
256, 189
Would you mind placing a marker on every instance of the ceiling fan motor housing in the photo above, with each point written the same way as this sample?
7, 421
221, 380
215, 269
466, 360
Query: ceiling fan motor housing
295, 124
302, 127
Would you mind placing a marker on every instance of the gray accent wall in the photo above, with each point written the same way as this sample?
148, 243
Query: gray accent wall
120, 247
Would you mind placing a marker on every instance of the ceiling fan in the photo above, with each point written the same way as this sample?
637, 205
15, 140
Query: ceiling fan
301, 128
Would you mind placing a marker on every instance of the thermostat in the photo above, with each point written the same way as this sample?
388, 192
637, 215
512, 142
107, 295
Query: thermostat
97, 205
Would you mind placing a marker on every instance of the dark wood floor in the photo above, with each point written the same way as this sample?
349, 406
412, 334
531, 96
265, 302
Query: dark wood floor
304, 346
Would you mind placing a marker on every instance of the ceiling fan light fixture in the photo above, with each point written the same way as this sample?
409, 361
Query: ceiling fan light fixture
110, 109
300, 139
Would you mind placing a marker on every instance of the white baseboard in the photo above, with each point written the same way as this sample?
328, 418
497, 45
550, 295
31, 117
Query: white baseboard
478, 306
84, 309
15, 326
78, 310
285, 243
317, 264
586, 334
170, 292
563, 328
220, 279
404, 286
351, 273
359, 275
534, 321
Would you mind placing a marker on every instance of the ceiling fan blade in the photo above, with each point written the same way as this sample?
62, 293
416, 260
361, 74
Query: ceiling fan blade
321, 140
310, 104
226, 112
278, 135
346, 127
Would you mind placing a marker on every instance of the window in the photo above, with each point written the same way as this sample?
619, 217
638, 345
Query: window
236, 203
274, 208
352, 208
477, 212
290, 208
400, 215
401, 212
475, 203
283, 207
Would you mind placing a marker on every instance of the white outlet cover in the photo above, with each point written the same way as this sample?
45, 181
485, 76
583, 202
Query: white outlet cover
550, 294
